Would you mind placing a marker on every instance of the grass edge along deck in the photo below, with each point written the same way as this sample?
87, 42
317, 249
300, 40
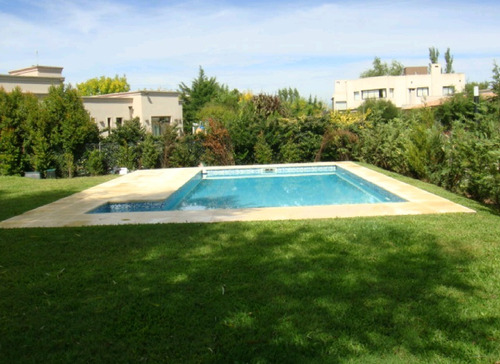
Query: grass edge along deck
158, 184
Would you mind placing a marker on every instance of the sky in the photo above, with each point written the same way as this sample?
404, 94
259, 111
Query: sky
257, 46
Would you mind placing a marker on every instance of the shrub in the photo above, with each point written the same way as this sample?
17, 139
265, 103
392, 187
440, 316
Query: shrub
263, 152
218, 146
150, 153
95, 163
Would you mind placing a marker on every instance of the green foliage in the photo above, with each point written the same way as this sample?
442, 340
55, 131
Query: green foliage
495, 84
477, 148
290, 152
380, 68
128, 137
289, 95
42, 156
456, 108
169, 141
96, 163
17, 110
130, 132
188, 151
379, 110
70, 125
194, 97
449, 61
263, 152
433, 55
150, 153
384, 145
43, 135
337, 145
103, 85
220, 112
469, 87
128, 156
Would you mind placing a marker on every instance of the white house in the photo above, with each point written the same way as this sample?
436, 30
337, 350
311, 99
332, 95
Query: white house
35, 79
417, 86
155, 109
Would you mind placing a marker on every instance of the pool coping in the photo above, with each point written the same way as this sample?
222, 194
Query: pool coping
158, 184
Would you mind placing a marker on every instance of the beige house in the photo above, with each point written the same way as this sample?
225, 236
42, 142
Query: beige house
417, 86
155, 109
35, 79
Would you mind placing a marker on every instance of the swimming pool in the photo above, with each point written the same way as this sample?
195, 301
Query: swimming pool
213, 189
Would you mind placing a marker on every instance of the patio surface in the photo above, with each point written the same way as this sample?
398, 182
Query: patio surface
158, 184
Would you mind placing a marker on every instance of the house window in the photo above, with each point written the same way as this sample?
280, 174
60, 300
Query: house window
448, 90
422, 91
119, 122
159, 123
391, 93
356, 95
374, 94
341, 105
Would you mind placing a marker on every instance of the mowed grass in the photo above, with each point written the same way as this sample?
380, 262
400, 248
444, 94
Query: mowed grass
404, 289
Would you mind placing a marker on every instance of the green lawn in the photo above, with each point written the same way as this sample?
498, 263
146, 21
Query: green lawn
405, 289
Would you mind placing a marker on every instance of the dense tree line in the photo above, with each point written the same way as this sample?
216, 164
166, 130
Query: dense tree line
40, 135
456, 145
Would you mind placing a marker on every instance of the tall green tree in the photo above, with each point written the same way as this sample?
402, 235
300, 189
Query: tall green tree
495, 84
449, 61
16, 108
68, 126
380, 68
103, 85
202, 90
433, 55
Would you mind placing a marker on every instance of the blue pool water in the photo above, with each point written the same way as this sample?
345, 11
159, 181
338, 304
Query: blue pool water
264, 187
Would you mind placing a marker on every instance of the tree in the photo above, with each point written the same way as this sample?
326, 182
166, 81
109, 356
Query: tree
380, 68
169, 141
194, 97
128, 137
469, 87
433, 55
218, 145
16, 109
69, 126
379, 110
263, 152
495, 84
150, 153
449, 61
103, 85
396, 68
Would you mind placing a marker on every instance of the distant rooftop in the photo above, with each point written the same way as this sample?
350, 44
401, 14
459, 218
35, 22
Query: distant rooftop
419, 70
38, 71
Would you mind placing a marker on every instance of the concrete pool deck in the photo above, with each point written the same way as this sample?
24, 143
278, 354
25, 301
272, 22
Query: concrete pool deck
158, 184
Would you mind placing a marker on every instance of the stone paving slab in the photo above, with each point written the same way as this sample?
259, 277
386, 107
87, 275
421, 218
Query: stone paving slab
158, 184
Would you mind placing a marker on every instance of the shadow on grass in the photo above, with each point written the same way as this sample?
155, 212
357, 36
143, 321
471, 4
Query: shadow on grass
12, 206
337, 291
19, 194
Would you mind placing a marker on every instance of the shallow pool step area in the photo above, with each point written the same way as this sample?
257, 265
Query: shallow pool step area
156, 185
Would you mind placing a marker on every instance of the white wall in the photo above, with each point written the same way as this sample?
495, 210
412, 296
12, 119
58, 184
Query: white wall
401, 96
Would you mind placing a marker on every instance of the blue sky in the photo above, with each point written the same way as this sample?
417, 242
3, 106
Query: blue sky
260, 46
